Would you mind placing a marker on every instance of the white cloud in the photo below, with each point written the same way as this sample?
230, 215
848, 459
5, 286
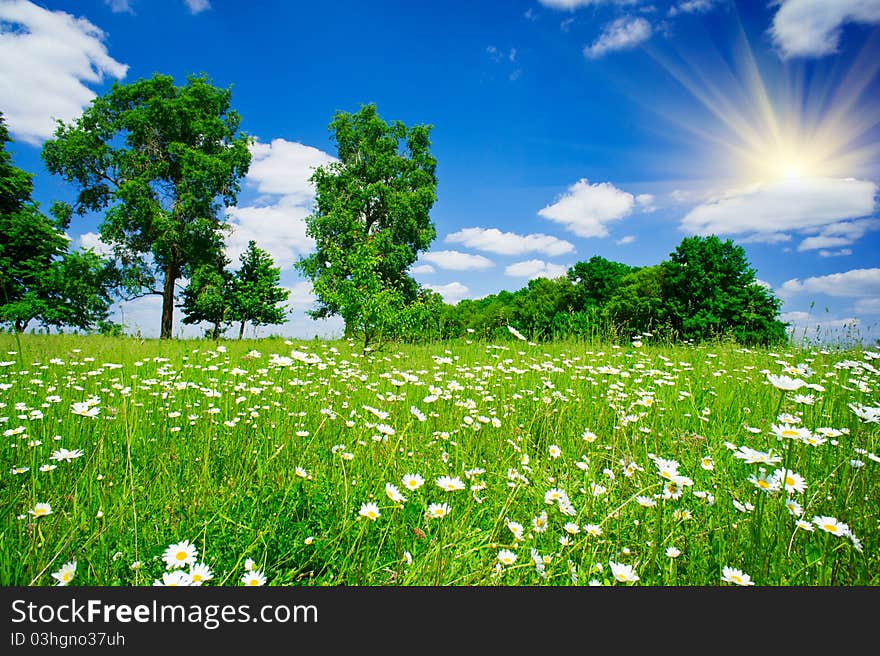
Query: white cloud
868, 305
423, 269
535, 269
770, 209
841, 252
623, 241
646, 202
48, 58
451, 293
621, 34
764, 284
839, 234
92, 240
279, 228
587, 208
509, 243
284, 167
119, 6
197, 6
856, 283
692, 7
302, 296
571, 5
457, 261
804, 324
280, 170
812, 28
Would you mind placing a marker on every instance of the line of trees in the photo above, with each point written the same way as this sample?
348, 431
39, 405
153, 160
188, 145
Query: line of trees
160, 162
705, 290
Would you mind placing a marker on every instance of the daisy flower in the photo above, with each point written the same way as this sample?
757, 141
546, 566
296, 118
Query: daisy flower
623, 573
370, 511
413, 481
174, 578
831, 525
733, 575
437, 511
450, 483
180, 554
41, 510
506, 557
199, 573
393, 493
255, 577
65, 574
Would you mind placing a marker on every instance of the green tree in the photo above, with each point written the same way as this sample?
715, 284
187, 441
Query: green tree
596, 280
371, 220
39, 278
159, 161
637, 305
208, 294
256, 291
710, 291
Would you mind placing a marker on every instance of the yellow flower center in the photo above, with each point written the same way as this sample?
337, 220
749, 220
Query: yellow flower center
763, 484
789, 480
789, 433
181, 555
736, 578
253, 581
66, 576
831, 528
196, 578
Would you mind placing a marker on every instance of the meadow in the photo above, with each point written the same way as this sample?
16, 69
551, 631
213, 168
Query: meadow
144, 462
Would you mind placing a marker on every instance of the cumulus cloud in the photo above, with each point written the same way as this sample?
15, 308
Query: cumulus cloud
571, 5
284, 167
770, 210
451, 293
856, 283
810, 28
302, 296
457, 261
623, 241
92, 241
804, 323
49, 58
535, 269
839, 234
423, 269
279, 228
868, 305
509, 243
280, 171
621, 34
586, 208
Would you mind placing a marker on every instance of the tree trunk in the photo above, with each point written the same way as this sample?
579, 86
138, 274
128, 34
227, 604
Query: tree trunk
241, 331
215, 335
171, 273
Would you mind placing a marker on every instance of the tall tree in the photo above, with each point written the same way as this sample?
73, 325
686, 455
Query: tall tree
160, 161
710, 290
39, 278
371, 219
256, 290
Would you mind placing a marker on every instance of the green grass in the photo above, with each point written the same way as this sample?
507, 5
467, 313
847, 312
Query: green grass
195, 444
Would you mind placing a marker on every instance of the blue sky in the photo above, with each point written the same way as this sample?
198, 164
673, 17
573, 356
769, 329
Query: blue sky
563, 129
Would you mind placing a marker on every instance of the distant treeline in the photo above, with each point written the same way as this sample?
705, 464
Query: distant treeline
705, 290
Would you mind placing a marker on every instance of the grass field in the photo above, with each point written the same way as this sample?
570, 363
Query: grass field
467, 463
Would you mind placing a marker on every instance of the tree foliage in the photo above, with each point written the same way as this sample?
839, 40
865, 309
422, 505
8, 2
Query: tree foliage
159, 161
256, 290
39, 279
371, 219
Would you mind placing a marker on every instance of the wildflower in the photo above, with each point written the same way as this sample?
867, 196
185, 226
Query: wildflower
593, 530
174, 578
589, 436
437, 511
250, 565
65, 574
393, 493
180, 555
302, 473
791, 432
554, 451
785, 383
65, 454
623, 573
41, 510
769, 485
516, 333
85, 409
733, 575
646, 502
408, 557
539, 523
572, 528
792, 481
48, 468
805, 525
707, 463
199, 573
450, 483
418, 414
672, 552
831, 525
793, 507
516, 528
255, 577
370, 511
506, 557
